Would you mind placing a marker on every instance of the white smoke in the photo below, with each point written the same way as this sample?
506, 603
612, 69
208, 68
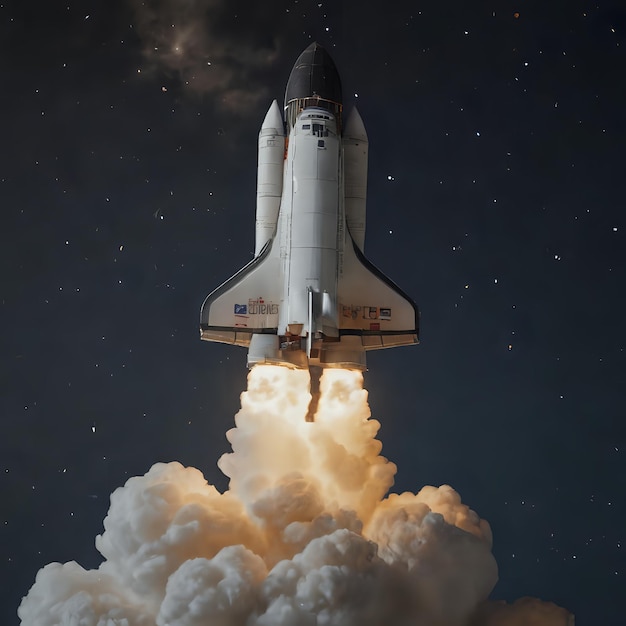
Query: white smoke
303, 537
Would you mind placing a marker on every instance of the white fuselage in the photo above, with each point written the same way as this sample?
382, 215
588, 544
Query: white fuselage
307, 232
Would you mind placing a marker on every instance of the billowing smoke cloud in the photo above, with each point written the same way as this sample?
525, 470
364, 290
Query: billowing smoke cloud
523, 612
209, 47
303, 537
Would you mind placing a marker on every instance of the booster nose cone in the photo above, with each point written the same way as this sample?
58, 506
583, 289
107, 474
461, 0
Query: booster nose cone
314, 81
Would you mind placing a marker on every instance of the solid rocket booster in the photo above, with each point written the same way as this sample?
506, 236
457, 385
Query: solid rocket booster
269, 176
309, 297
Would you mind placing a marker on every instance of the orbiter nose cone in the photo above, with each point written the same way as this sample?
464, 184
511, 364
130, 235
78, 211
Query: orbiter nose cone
314, 75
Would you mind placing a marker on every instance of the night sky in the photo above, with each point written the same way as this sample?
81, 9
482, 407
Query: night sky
495, 199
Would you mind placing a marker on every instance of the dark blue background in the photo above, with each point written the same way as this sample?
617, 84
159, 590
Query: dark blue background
504, 140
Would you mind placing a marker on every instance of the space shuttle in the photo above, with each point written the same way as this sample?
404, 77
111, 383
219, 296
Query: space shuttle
309, 298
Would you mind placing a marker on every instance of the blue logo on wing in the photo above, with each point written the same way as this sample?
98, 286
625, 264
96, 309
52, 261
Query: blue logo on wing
241, 309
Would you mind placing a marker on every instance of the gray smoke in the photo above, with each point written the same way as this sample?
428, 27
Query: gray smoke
208, 47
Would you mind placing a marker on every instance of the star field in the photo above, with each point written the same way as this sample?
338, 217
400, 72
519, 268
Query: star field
495, 199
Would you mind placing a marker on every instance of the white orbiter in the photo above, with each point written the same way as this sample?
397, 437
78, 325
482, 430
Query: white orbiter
309, 298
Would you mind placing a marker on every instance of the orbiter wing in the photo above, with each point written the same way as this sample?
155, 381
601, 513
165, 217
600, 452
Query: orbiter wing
246, 303
372, 306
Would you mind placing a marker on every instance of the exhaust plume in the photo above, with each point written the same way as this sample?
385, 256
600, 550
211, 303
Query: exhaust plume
304, 536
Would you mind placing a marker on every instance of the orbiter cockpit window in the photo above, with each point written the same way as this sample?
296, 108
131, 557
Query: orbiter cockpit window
320, 130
